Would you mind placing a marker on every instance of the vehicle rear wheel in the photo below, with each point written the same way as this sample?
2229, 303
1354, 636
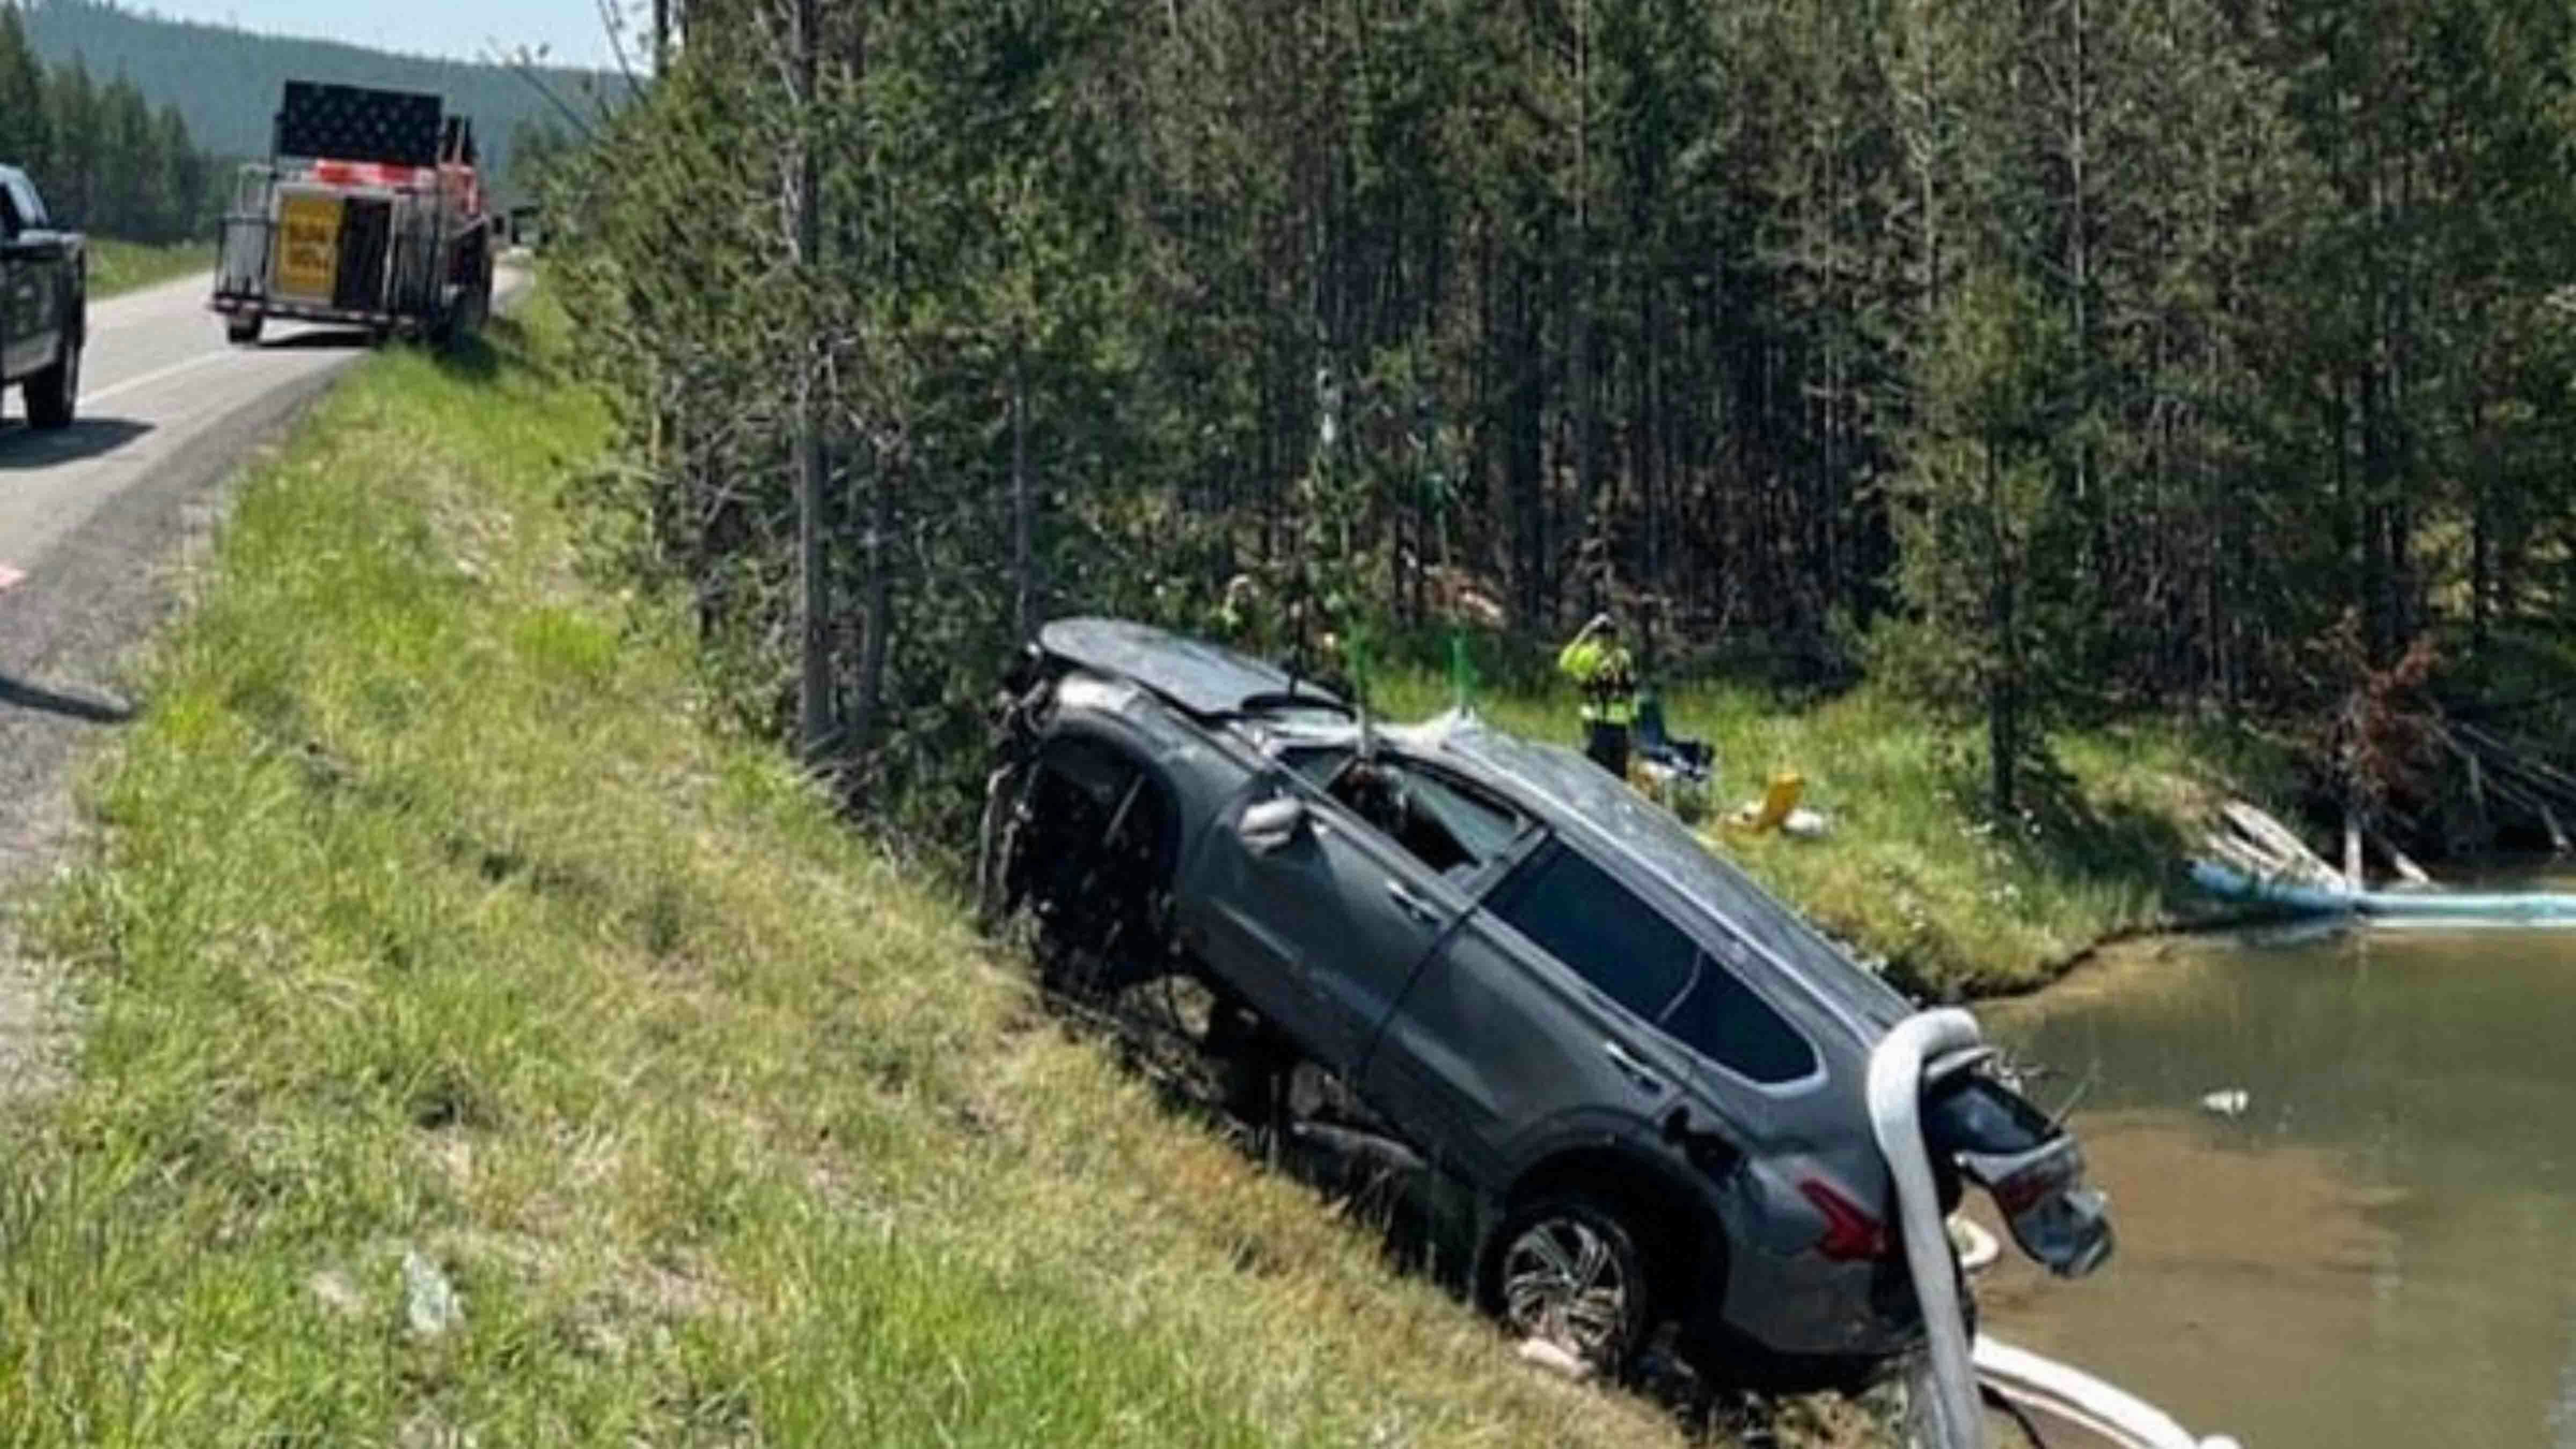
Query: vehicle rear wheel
1571, 1270
242, 329
53, 394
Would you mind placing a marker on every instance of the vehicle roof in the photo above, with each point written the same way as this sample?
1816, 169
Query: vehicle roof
1205, 679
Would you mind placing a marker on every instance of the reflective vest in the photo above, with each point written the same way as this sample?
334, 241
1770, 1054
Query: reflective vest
1601, 671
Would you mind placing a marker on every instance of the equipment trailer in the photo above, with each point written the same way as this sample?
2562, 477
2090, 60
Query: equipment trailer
368, 212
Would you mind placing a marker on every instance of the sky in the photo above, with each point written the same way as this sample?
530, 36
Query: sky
457, 29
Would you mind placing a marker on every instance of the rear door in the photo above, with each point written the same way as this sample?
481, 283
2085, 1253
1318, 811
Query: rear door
1530, 1026
366, 231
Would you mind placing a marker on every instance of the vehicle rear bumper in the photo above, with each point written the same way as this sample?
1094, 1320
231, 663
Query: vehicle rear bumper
233, 305
1805, 1306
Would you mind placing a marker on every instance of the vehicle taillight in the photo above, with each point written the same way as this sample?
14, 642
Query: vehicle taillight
2029, 1185
1851, 1234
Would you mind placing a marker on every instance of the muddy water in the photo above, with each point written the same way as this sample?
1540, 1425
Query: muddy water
2380, 1250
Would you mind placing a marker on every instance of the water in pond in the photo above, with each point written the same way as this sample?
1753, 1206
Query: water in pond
2380, 1248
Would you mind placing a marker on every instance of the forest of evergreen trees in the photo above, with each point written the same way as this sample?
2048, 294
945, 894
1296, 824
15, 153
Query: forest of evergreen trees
2050, 358
226, 81
104, 160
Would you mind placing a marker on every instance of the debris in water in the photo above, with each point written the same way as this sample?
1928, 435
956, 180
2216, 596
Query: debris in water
2230, 1103
428, 1298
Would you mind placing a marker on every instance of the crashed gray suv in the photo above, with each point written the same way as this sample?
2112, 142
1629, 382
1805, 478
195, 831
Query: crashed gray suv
1635, 1079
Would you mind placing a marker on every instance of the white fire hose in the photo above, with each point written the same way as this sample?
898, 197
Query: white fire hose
1896, 1119
2060, 1391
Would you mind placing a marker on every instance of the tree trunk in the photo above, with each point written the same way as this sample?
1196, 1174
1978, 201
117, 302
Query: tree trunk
2482, 560
2003, 687
1023, 582
877, 592
814, 677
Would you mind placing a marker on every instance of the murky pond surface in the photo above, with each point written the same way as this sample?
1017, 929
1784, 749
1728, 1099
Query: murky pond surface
2380, 1250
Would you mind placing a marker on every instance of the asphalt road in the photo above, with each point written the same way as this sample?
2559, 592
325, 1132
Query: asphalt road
92, 520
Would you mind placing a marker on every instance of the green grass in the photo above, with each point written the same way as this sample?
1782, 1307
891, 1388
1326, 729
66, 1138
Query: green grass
123, 266
1915, 868
424, 916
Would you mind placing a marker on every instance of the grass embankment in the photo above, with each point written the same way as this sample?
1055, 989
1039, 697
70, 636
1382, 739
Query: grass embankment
1916, 869
426, 917
123, 266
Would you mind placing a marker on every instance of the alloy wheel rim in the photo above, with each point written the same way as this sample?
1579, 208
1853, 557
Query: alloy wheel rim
1562, 1282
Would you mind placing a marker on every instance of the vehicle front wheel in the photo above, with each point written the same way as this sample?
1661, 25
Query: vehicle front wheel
54, 393
242, 328
1570, 1270
1087, 846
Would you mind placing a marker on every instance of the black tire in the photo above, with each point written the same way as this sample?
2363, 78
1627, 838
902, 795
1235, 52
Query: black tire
1093, 863
465, 316
997, 843
54, 394
242, 329
1575, 1269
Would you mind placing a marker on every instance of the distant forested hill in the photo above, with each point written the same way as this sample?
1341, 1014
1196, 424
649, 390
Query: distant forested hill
225, 82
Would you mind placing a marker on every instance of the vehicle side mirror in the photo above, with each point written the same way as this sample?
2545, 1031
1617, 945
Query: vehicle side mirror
1272, 823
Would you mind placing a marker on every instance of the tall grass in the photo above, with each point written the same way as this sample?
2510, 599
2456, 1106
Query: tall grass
428, 922
123, 266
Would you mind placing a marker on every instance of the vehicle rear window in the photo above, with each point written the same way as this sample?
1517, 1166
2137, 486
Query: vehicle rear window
1578, 913
1723, 1020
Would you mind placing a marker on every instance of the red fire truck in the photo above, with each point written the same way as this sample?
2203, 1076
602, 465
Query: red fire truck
368, 212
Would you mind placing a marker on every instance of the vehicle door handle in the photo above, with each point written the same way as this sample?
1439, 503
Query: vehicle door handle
1411, 904
1638, 1073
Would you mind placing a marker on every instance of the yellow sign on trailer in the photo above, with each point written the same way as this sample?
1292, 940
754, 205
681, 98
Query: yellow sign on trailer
308, 246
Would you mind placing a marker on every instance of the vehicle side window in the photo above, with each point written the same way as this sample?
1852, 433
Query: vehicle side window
22, 195
1575, 911
1446, 827
1317, 764
1723, 1020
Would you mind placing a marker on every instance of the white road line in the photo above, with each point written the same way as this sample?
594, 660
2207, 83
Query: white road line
155, 375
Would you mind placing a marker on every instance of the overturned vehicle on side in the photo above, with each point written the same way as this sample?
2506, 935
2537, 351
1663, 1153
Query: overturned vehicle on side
1630, 1082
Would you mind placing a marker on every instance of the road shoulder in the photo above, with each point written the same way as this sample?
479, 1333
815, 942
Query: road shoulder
68, 626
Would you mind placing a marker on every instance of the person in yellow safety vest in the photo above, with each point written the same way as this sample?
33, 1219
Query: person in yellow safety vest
1242, 619
1599, 666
